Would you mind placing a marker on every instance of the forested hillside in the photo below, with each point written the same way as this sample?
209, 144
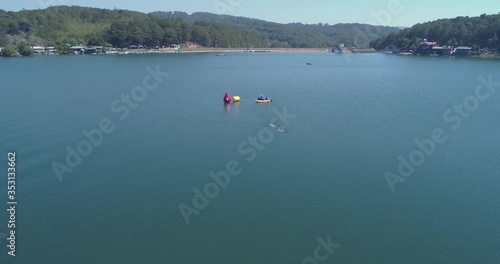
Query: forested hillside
91, 26
59, 26
478, 32
294, 35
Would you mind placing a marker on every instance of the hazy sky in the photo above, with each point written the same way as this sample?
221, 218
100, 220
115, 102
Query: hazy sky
377, 12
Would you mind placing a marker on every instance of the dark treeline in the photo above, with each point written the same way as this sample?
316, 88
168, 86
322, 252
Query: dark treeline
63, 25
58, 26
293, 35
480, 33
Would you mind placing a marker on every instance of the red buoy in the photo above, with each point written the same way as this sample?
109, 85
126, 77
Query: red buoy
227, 98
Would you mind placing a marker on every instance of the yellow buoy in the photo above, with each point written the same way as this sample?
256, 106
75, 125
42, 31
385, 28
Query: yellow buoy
236, 99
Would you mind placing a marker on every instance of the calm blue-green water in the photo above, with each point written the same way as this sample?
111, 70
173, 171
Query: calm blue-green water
322, 176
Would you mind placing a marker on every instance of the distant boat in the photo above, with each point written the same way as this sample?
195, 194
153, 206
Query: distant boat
309, 63
263, 100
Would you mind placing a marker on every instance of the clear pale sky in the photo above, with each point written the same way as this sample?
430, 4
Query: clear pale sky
406, 13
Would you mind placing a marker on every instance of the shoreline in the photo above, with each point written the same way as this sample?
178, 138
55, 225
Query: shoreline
222, 50
217, 51
482, 56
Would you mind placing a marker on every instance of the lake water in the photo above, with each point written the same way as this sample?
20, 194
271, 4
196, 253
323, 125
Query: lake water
320, 176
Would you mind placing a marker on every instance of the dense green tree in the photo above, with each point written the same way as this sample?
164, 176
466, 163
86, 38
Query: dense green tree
25, 50
170, 36
9, 52
95, 40
12, 28
136, 33
62, 25
63, 48
117, 34
294, 34
493, 42
200, 35
479, 31
4, 41
185, 31
154, 33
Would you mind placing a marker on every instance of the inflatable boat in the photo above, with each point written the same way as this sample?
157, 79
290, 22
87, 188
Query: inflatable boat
263, 100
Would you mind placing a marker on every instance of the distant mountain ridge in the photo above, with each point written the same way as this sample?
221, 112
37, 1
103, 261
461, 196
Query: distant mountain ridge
59, 26
294, 35
208, 17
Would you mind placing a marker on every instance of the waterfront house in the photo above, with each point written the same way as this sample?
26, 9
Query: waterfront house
463, 51
340, 47
444, 50
448, 50
90, 50
436, 50
78, 49
99, 49
50, 50
86, 50
426, 47
38, 49
43, 50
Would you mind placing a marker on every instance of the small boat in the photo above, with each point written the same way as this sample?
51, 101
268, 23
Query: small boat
309, 63
263, 100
